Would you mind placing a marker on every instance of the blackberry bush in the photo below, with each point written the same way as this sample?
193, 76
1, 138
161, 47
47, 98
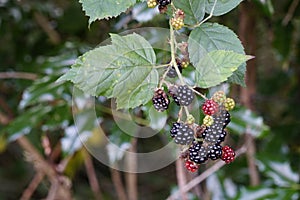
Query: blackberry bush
131, 73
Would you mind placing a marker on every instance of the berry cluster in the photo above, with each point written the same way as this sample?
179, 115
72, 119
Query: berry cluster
182, 96
177, 21
201, 142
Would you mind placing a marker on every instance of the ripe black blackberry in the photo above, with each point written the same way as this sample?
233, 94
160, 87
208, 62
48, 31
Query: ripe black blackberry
198, 153
184, 135
216, 133
173, 92
175, 128
215, 151
222, 137
163, 2
222, 117
185, 95
172, 72
213, 134
160, 100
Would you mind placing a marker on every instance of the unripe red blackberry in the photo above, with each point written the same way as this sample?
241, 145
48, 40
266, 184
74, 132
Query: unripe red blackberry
228, 154
229, 104
191, 166
209, 107
160, 100
219, 97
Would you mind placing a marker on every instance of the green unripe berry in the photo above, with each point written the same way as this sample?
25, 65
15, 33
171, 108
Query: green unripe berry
208, 120
219, 97
229, 104
177, 23
151, 3
190, 119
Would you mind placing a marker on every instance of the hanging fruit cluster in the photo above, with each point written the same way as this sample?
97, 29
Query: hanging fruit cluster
199, 141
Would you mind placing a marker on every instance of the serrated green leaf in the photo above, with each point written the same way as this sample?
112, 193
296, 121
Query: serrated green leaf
238, 77
100, 9
194, 10
123, 70
216, 66
212, 36
222, 6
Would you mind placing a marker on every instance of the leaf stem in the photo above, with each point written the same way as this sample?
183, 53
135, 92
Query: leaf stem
200, 94
186, 111
162, 80
173, 60
208, 17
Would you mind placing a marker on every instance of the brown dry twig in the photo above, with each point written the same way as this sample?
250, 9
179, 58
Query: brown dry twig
290, 13
18, 75
90, 170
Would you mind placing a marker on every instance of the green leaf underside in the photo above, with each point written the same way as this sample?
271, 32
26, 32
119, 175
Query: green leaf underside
212, 36
194, 10
216, 66
100, 9
123, 70
222, 6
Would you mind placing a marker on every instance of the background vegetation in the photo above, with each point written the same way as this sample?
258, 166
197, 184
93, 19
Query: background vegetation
39, 40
